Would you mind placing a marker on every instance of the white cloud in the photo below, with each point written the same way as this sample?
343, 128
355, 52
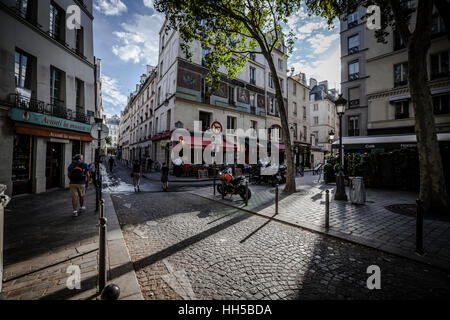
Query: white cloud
110, 7
149, 4
139, 40
111, 93
320, 42
327, 68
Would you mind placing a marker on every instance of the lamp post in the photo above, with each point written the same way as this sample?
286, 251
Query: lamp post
340, 194
331, 140
99, 123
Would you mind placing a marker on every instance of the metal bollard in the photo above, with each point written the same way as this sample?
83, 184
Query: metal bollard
246, 193
276, 199
327, 209
102, 248
214, 185
223, 189
419, 227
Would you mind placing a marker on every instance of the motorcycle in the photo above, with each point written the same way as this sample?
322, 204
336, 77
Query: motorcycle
233, 185
278, 177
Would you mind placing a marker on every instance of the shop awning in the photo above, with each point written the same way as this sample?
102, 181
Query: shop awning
369, 142
52, 133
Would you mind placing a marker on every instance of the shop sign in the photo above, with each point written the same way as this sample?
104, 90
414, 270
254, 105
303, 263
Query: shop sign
408, 145
369, 146
48, 121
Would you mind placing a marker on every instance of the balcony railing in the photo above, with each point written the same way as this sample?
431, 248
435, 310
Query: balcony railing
353, 76
353, 50
56, 108
353, 103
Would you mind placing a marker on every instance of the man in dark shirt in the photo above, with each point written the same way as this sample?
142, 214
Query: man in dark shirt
136, 172
111, 163
78, 173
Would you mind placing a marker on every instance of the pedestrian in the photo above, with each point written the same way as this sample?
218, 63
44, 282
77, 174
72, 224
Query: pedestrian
78, 173
165, 176
149, 164
136, 173
111, 164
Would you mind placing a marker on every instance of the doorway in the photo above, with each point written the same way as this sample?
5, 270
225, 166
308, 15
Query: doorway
53, 165
22, 164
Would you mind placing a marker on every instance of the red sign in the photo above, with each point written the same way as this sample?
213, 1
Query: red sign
216, 127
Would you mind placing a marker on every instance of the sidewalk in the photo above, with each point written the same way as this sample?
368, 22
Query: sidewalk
371, 224
42, 240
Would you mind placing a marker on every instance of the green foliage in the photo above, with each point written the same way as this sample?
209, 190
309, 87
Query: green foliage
108, 140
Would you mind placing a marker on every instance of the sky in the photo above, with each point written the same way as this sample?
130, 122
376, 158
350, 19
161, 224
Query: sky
126, 40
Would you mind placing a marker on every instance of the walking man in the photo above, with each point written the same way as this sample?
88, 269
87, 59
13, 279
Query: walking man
136, 172
111, 164
78, 173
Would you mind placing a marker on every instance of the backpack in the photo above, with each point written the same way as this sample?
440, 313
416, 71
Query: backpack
77, 173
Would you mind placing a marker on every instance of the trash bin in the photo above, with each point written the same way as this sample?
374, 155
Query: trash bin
4, 199
357, 190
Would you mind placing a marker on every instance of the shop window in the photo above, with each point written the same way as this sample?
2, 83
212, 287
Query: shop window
22, 164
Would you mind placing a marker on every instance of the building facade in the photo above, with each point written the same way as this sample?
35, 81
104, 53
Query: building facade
113, 126
383, 83
324, 119
47, 93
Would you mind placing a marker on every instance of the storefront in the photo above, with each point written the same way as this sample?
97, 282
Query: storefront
43, 148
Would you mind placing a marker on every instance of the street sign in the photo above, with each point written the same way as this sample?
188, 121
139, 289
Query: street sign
216, 128
103, 134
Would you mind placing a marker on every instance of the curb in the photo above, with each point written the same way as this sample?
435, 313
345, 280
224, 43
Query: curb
372, 244
119, 257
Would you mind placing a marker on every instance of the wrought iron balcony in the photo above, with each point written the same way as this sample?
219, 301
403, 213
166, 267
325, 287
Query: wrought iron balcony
56, 108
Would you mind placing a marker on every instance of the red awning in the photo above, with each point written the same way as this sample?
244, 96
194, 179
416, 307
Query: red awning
280, 146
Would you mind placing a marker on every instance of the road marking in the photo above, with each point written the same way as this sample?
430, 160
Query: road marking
179, 282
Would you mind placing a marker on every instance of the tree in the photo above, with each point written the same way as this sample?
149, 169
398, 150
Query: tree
397, 15
232, 30
108, 140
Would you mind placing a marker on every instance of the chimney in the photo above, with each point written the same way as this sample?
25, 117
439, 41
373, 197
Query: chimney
312, 82
143, 77
137, 87
325, 84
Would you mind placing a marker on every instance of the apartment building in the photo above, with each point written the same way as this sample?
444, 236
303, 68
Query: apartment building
324, 119
299, 119
47, 92
379, 102
246, 102
113, 126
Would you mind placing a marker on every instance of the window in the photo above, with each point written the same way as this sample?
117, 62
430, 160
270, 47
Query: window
280, 64
22, 70
294, 128
56, 77
161, 69
163, 41
272, 105
316, 120
294, 89
304, 94
353, 97
231, 123
305, 133
204, 53
252, 56
252, 100
402, 110
352, 20
231, 95
270, 81
439, 65
281, 84
252, 75
157, 125
158, 98
304, 112
168, 119
57, 21
353, 70
205, 118
437, 24
205, 95
316, 106
79, 40
79, 89
26, 8
353, 126
353, 44
441, 104
254, 125
398, 41
400, 74
294, 108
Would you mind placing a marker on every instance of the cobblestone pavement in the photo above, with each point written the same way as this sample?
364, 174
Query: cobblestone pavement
370, 224
186, 247
42, 239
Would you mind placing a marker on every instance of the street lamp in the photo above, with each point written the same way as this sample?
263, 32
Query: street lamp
340, 184
98, 177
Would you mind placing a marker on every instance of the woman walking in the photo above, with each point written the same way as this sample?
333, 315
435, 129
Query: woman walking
136, 173
165, 176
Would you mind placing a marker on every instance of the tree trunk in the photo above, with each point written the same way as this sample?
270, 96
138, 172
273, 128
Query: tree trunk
290, 175
432, 181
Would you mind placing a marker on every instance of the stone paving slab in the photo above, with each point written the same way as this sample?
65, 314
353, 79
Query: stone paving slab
370, 224
42, 240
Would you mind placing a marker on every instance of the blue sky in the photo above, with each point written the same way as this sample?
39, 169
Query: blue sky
126, 39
